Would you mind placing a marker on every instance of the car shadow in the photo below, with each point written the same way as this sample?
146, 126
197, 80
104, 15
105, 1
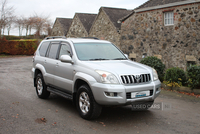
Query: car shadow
109, 115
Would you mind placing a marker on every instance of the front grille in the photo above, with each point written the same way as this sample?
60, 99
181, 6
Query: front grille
136, 79
128, 95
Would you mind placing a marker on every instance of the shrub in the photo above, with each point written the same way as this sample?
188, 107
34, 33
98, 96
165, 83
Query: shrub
175, 77
20, 47
155, 63
193, 73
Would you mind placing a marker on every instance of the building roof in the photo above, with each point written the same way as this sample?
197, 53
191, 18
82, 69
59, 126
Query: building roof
152, 3
115, 14
87, 20
126, 17
65, 23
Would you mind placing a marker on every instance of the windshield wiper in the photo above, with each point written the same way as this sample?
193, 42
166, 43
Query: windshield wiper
99, 59
119, 59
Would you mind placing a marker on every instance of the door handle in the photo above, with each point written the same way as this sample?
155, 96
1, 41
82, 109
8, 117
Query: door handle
57, 64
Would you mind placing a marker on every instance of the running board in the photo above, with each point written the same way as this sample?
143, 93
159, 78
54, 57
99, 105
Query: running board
60, 93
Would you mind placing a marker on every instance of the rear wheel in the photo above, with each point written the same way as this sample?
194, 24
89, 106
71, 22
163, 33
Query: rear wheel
41, 88
86, 105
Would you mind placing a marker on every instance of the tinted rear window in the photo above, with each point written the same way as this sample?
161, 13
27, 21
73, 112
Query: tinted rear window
43, 48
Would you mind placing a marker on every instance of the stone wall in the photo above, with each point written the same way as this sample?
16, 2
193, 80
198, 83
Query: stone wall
104, 29
144, 34
77, 29
57, 30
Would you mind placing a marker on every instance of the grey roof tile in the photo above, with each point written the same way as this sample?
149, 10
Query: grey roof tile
152, 3
87, 20
115, 14
65, 23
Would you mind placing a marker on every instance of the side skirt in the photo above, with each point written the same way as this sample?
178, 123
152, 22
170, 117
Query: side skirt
60, 93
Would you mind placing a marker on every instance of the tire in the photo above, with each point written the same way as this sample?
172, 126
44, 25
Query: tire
86, 104
41, 88
142, 106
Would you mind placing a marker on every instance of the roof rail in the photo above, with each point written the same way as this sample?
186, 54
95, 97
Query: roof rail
90, 38
55, 37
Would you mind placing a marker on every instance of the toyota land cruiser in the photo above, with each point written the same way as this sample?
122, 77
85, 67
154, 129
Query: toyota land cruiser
93, 73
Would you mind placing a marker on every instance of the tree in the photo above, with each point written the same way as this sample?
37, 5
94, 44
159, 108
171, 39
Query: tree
5, 13
9, 23
39, 22
31, 24
28, 24
47, 27
20, 23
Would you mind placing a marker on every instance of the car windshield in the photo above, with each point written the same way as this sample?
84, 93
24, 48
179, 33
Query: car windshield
98, 51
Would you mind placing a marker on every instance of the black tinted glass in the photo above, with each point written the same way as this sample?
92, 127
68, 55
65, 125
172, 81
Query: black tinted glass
53, 51
43, 48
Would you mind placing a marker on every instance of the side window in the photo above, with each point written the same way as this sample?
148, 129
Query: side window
65, 50
43, 48
53, 50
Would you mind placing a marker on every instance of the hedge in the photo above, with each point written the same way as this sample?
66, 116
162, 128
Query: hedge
175, 77
155, 63
19, 47
193, 73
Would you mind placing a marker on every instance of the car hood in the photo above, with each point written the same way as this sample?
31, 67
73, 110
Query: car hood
120, 67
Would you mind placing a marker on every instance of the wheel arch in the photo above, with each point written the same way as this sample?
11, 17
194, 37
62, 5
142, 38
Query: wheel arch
81, 79
79, 82
39, 69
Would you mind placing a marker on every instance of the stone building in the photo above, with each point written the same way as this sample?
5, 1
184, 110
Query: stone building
106, 24
81, 25
168, 29
61, 26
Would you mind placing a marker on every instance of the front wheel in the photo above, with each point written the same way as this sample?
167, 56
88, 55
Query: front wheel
86, 104
41, 88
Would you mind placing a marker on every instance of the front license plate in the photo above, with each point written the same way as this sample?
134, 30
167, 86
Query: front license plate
140, 94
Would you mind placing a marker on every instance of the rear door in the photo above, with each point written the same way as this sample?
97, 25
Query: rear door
50, 62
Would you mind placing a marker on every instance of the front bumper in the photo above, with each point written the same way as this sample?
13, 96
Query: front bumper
123, 93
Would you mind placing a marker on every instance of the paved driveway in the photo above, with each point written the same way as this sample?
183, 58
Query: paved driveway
21, 111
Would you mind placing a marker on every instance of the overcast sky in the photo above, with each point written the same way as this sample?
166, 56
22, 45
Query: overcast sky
66, 8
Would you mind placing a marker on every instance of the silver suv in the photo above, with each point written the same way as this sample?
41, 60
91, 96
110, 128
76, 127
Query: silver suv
93, 73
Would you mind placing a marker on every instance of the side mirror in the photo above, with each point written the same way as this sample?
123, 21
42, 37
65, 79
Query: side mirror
126, 55
66, 59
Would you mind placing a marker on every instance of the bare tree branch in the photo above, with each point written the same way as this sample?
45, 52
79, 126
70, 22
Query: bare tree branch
9, 23
20, 23
5, 13
39, 23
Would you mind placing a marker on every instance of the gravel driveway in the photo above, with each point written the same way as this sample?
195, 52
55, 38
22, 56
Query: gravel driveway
21, 111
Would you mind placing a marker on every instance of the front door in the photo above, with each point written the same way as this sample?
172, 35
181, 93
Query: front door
64, 71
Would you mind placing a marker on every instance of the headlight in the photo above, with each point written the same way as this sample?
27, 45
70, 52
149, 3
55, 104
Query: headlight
107, 77
155, 75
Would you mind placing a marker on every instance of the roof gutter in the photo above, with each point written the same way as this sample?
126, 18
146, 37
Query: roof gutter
167, 5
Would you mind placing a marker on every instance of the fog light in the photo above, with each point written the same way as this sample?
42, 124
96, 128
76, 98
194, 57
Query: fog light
157, 89
111, 94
